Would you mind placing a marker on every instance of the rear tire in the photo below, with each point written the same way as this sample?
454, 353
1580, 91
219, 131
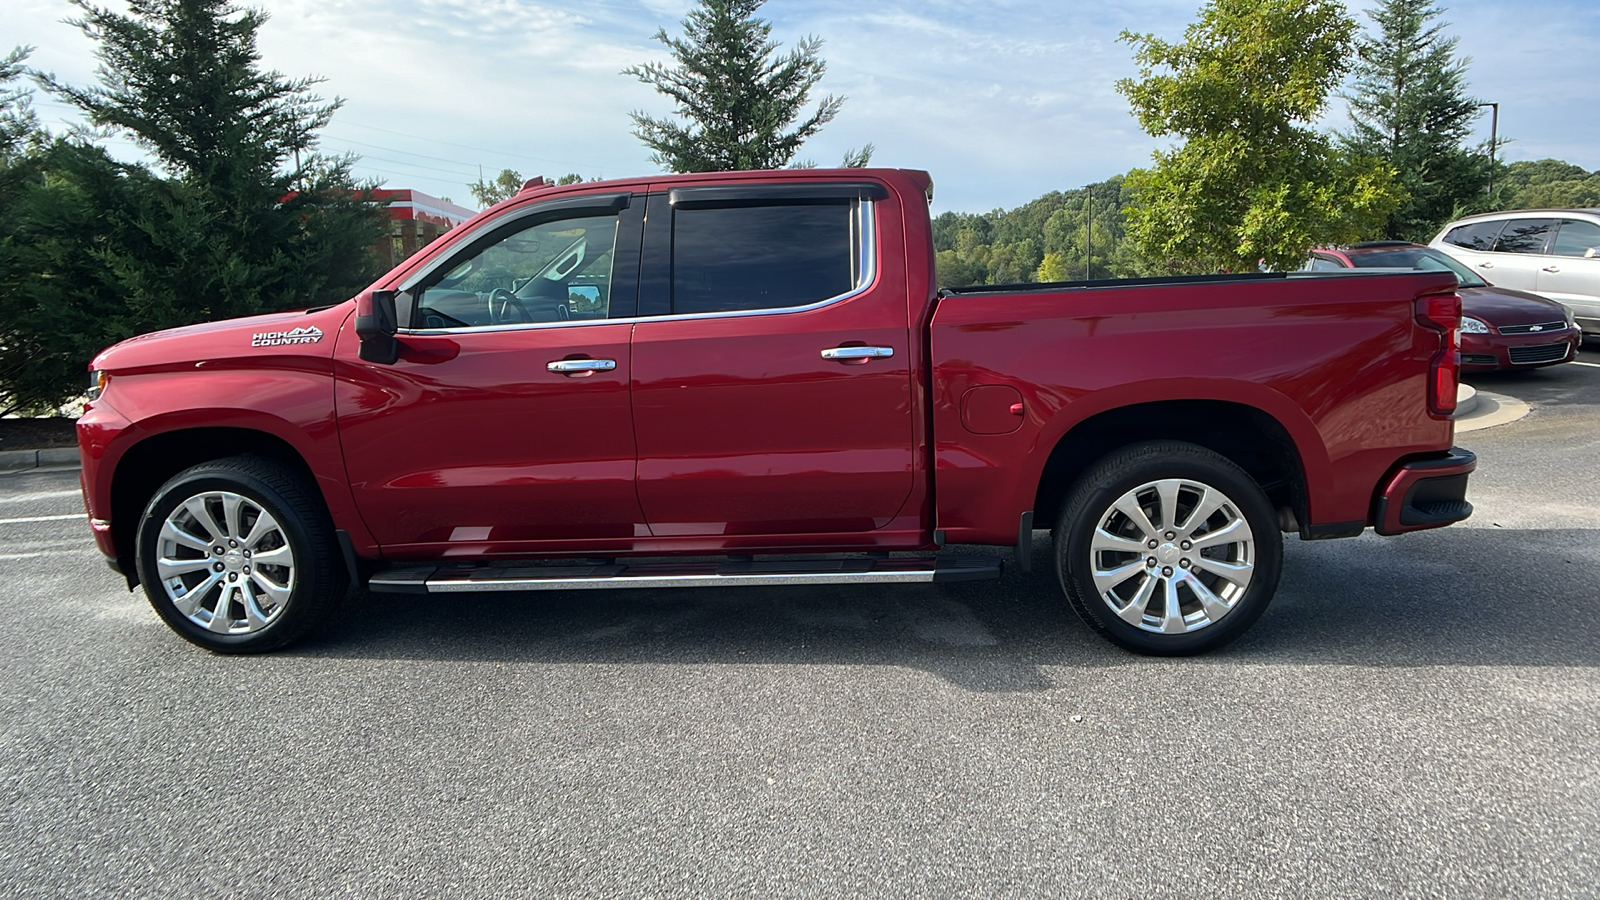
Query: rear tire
1168, 549
238, 555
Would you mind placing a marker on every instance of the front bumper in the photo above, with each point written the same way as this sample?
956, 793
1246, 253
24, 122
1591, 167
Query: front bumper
1425, 493
1488, 352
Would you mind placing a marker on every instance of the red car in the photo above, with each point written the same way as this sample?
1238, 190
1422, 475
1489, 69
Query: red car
1500, 328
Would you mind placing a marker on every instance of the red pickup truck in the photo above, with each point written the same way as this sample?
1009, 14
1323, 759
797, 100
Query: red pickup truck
749, 378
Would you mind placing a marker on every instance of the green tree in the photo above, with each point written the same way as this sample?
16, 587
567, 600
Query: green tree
247, 218
735, 99
508, 184
1409, 107
502, 187
1547, 184
1252, 180
1061, 236
285, 226
19, 127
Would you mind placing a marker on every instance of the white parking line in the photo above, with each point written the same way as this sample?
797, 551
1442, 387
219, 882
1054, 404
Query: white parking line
1590, 365
46, 495
41, 519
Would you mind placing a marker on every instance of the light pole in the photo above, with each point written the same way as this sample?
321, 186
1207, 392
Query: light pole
1494, 133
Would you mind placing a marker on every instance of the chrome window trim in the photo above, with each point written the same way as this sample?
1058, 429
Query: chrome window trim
866, 261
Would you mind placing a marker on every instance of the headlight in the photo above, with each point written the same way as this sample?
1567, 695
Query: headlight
1469, 325
1572, 321
98, 379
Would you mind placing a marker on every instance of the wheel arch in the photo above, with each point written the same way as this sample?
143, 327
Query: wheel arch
1252, 438
144, 467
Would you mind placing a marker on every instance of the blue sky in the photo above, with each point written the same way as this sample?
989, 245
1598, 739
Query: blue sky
1001, 101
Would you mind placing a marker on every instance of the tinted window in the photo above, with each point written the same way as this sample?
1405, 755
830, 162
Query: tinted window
549, 272
1323, 264
1575, 238
1477, 236
1524, 236
761, 257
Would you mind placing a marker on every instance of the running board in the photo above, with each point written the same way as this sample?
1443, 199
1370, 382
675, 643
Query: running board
450, 579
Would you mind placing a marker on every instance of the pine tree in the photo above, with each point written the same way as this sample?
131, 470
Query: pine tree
244, 217
1409, 107
737, 100
260, 221
19, 127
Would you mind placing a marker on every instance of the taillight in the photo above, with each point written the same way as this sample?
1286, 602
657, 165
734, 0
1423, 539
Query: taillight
1442, 313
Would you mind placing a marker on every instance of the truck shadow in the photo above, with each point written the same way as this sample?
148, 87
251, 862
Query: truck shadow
1460, 596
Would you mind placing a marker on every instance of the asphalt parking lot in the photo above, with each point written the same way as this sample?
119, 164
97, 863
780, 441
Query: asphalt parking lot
1414, 717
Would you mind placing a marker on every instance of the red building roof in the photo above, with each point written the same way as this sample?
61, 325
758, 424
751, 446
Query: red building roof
409, 204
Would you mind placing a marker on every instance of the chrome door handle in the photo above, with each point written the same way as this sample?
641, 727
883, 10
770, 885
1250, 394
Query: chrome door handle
1552, 268
847, 353
581, 366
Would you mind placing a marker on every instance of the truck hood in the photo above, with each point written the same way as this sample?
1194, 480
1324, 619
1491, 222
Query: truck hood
302, 333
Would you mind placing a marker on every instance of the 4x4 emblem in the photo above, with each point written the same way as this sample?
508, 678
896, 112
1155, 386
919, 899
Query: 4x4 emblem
308, 335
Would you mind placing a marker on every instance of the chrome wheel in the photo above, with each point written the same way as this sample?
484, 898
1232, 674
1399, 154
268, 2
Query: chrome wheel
225, 563
1172, 556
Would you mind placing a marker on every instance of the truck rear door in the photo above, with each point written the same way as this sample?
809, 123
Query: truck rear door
772, 385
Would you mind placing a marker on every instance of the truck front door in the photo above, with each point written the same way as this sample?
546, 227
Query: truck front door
772, 364
505, 424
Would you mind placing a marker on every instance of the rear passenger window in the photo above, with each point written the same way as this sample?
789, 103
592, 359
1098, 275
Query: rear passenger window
769, 256
1477, 236
1576, 238
1525, 236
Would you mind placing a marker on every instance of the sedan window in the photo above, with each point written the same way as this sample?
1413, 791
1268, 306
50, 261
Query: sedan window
1525, 236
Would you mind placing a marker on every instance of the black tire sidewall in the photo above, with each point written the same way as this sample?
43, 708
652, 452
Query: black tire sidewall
1119, 473
307, 599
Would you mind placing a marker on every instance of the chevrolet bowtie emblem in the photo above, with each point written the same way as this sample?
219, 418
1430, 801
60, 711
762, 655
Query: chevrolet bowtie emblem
1536, 328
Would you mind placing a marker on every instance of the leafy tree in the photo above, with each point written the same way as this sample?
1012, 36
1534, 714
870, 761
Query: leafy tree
735, 98
1409, 107
507, 184
1252, 180
502, 187
1047, 239
1547, 184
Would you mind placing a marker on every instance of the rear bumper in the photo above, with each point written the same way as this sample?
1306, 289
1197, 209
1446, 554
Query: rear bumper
1425, 493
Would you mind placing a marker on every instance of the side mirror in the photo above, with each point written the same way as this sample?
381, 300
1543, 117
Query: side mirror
376, 327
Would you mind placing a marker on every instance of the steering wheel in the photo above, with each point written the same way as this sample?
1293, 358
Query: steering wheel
506, 301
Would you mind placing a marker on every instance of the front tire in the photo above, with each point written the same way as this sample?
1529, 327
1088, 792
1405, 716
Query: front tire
238, 555
1168, 549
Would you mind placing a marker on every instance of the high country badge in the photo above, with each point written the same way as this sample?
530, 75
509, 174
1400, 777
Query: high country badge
308, 335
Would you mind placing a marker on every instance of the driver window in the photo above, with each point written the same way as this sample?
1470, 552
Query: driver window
550, 272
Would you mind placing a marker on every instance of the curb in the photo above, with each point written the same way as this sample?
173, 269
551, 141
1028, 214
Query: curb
1490, 410
24, 460
1466, 401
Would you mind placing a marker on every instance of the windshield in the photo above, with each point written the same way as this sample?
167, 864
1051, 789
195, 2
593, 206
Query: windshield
1424, 258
